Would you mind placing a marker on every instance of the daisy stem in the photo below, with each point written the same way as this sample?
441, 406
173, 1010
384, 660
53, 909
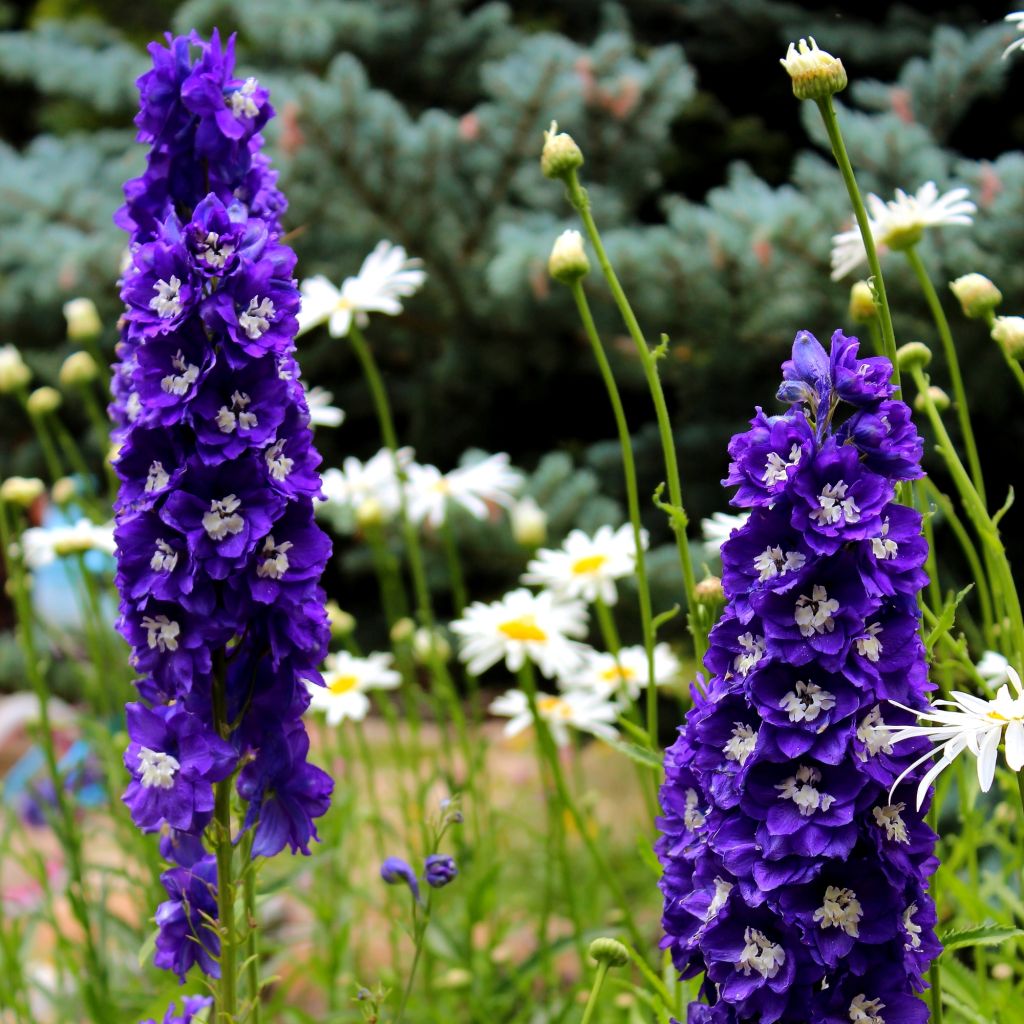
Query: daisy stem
455, 574
550, 752
956, 378
649, 361
595, 992
632, 500
42, 432
835, 137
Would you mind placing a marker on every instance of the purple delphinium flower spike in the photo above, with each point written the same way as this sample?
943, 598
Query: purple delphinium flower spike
219, 555
791, 882
190, 1006
439, 869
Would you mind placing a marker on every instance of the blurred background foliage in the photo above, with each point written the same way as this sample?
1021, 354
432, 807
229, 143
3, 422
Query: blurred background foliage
420, 121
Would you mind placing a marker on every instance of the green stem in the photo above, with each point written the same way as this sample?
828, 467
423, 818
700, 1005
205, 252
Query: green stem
252, 952
632, 500
420, 930
455, 575
835, 137
226, 1006
595, 992
956, 378
649, 361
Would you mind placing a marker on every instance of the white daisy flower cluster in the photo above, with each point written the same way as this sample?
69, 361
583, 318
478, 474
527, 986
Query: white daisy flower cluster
347, 680
900, 223
42, 545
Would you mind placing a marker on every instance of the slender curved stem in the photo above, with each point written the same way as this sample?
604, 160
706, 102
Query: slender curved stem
595, 992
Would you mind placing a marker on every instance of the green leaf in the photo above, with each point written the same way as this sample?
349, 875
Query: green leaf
642, 755
981, 935
947, 617
148, 947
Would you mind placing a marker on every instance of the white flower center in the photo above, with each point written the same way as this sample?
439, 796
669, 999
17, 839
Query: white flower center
814, 614
868, 645
806, 701
741, 744
693, 816
167, 301
866, 1011
775, 468
228, 419
161, 633
214, 252
760, 954
275, 561
278, 464
241, 100
841, 909
874, 734
157, 769
157, 478
223, 519
255, 321
835, 506
773, 562
165, 558
800, 788
179, 383
882, 546
722, 890
133, 407
913, 930
889, 818
753, 651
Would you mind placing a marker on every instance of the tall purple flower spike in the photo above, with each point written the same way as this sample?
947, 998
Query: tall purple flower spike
219, 556
791, 881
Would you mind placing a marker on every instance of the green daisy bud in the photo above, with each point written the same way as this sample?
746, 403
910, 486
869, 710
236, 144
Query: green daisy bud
568, 261
43, 401
1009, 332
912, 355
977, 295
609, 951
560, 156
815, 73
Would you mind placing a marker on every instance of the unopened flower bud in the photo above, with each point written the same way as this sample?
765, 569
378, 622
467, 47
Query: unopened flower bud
529, 523
14, 373
933, 396
439, 869
83, 319
403, 631
609, 951
977, 295
1009, 332
709, 591
21, 490
560, 155
341, 622
370, 513
43, 401
456, 978
915, 354
568, 261
429, 644
815, 73
79, 368
63, 490
862, 303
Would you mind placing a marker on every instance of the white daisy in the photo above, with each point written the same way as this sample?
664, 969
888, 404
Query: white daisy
993, 668
1018, 44
586, 567
386, 276
346, 682
588, 712
973, 724
718, 529
900, 223
41, 545
476, 487
357, 484
321, 412
522, 626
625, 676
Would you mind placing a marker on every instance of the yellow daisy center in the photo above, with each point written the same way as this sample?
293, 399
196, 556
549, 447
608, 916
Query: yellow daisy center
553, 707
618, 673
343, 684
589, 564
523, 628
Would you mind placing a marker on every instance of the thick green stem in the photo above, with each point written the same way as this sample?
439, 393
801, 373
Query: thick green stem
953, 363
226, 1005
835, 137
595, 992
648, 360
252, 950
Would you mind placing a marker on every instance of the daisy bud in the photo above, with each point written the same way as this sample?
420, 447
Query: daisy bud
609, 951
79, 368
1009, 332
862, 303
83, 319
815, 73
370, 513
43, 401
21, 490
14, 374
429, 644
560, 156
342, 623
709, 591
934, 396
529, 523
403, 631
912, 355
568, 261
63, 490
977, 295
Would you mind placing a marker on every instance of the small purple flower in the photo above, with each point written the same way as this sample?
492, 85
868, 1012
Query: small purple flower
439, 869
396, 871
186, 920
190, 1006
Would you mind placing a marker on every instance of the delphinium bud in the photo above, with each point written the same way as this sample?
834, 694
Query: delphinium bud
815, 73
977, 295
1008, 331
560, 155
439, 869
568, 261
83, 319
863, 308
